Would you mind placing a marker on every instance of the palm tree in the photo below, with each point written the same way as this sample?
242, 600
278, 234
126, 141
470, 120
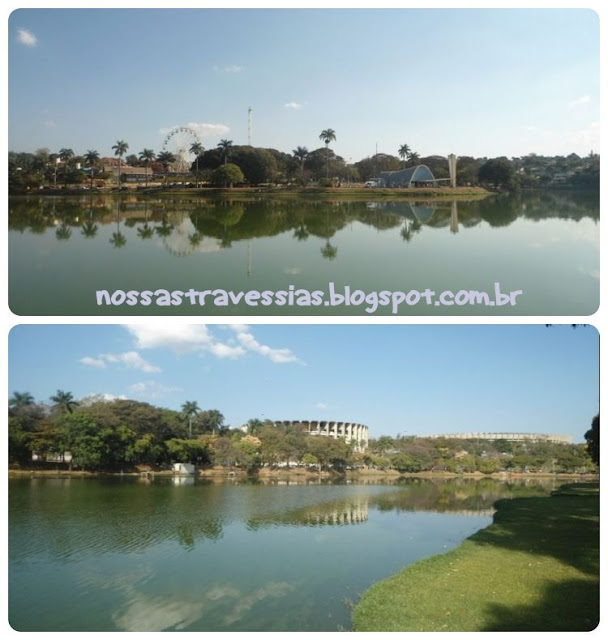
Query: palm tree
19, 401
197, 149
215, 420
404, 152
414, 157
327, 135
91, 158
66, 155
64, 401
253, 426
120, 148
166, 158
189, 411
225, 145
301, 153
147, 155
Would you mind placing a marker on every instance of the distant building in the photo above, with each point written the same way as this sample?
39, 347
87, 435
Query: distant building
183, 468
512, 437
350, 431
419, 176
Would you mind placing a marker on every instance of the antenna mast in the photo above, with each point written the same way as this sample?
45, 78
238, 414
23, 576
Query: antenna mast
249, 126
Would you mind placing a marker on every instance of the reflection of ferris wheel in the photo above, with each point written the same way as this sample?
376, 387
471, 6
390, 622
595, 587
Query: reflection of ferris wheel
178, 142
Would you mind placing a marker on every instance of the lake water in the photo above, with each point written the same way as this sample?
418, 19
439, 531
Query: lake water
63, 250
131, 554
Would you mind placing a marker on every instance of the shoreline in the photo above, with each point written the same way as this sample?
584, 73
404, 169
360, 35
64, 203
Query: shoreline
525, 533
297, 473
440, 193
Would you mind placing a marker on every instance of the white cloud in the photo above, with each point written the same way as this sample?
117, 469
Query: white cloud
26, 37
292, 105
98, 363
152, 390
92, 398
130, 359
280, 356
579, 101
202, 129
321, 406
49, 124
198, 339
229, 68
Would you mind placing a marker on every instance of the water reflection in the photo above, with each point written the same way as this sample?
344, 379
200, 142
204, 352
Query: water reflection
148, 554
226, 221
133, 513
63, 250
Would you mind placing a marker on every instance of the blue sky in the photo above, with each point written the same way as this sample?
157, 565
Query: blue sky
397, 379
473, 82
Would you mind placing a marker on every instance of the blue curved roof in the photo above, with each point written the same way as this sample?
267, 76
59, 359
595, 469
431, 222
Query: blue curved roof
407, 177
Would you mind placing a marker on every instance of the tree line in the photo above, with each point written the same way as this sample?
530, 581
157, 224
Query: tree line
226, 165
126, 434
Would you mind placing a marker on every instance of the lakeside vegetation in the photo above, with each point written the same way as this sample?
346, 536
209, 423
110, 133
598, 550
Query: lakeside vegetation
125, 435
227, 165
536, 568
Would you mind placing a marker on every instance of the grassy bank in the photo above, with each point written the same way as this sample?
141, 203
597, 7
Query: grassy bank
536, 568
284, 193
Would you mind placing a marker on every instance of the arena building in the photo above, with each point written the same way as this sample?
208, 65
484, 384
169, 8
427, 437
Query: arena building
512, 437
350, 431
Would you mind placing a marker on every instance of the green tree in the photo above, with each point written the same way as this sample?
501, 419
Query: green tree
120, 148
91, 157
227, 175
404, 152
197, 149
224, 146
64, 401
300, 154
166, 158
253, 426
593, 439
212, 421
146, 156
20, 401
497, 172
190, 410
327, 135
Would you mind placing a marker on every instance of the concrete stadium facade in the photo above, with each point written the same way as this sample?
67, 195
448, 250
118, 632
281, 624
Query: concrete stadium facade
513, 437
350, 431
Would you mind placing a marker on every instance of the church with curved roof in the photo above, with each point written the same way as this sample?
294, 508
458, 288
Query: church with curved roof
418, 176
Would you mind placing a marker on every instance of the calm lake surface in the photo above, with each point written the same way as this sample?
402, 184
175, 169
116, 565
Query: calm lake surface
178, 554
63, 250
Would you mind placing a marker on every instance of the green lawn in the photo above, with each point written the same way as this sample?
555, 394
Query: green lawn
536, 568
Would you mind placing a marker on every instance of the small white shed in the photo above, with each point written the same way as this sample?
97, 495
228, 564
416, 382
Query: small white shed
183, 468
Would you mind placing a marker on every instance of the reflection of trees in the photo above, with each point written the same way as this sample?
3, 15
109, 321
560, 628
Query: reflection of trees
122, 515
63, 232
329, 251
165, 229
244, 219
89, 229
462, 494
118, 239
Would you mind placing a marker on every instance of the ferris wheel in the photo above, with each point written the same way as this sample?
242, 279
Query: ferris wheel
178, 142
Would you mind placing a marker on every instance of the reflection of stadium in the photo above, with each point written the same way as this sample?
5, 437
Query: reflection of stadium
350, 431
330, 514
347, 513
